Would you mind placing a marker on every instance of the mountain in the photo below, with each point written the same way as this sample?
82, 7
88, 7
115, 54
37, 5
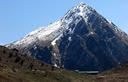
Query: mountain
81, 40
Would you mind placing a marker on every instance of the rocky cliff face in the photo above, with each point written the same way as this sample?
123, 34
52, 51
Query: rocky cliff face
81, 40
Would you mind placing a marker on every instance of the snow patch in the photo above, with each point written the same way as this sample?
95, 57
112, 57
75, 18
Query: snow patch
55, 65
91, 33
35, 47
54, 54
54, 41
70, 38
51, 28
39, 34
109, 21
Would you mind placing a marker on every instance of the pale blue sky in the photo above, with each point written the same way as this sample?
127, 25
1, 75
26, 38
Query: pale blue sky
18, 17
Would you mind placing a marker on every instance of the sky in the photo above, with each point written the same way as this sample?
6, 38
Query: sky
19, 17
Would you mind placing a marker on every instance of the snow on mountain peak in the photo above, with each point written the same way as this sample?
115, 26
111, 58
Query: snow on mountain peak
55, 29
39, 34
80, 10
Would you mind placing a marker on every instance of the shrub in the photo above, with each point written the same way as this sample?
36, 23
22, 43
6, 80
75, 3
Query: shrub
52, 68
17, 59
4, 51
14, 49
10, 55
42, 64
21, 63
0, 59
30, 66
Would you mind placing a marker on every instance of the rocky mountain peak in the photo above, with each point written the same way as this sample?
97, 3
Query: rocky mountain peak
82, 40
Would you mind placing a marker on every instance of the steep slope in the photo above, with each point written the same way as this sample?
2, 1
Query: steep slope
81, 40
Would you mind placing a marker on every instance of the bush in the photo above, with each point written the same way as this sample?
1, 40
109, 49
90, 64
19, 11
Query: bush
14, 49
52, 68
46, 74
17, 59
0, 59
30, 66
10, 55
4, 51
21, 63
42, 64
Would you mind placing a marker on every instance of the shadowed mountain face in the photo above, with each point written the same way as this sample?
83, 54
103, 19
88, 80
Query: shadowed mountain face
81, 40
